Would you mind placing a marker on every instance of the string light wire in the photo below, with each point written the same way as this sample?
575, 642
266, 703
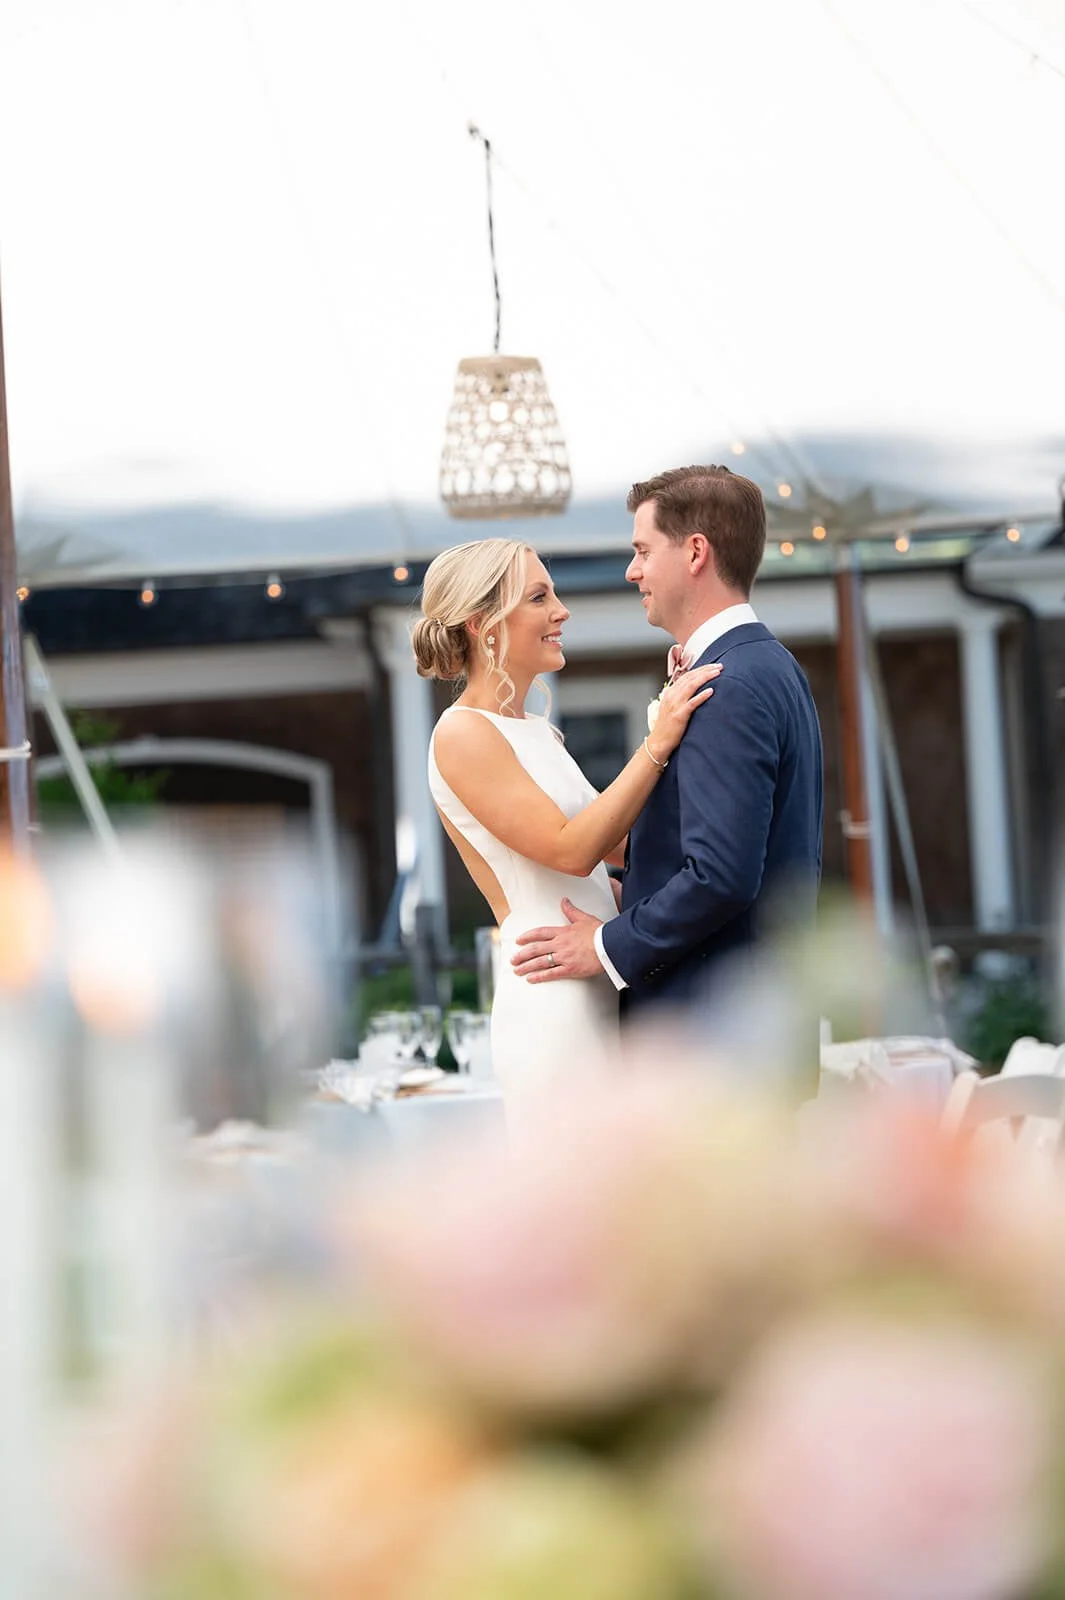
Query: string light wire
769, 464
1012, 38
946, 160
475, 133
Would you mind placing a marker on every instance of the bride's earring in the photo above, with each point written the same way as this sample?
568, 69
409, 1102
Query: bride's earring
491, 639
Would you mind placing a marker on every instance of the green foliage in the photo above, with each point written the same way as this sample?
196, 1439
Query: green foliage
463, 989
117, 787
1011, 1009
389, 990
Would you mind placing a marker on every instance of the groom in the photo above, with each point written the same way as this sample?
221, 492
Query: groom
731, 836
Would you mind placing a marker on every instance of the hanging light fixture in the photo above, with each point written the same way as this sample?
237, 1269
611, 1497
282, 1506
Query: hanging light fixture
504, 454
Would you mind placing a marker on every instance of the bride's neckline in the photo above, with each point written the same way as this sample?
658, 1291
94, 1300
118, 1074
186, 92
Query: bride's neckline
499, 716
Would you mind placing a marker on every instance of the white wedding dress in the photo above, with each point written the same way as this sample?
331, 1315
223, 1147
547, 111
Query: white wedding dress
539, 1030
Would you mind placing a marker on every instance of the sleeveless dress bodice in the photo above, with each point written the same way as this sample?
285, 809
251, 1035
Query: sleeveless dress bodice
530, 890
538, 1029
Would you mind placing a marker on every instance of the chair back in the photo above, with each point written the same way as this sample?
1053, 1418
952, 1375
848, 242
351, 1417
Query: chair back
1035, 1099
1033, 1055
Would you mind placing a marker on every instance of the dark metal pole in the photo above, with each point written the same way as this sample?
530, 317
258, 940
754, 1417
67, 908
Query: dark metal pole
14, 774
850, 667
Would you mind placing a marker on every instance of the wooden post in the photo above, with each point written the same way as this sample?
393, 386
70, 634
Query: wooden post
850, 666
14, 774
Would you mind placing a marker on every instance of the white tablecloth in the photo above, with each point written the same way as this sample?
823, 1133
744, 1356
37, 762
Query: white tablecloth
413, 1119
922, 1067
402, 1124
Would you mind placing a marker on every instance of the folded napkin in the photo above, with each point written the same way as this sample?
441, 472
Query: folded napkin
341, 1080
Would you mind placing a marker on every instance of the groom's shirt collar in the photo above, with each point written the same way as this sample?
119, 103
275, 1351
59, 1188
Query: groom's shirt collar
708, 632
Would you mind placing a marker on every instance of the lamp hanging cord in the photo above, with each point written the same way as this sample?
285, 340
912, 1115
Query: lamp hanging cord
475, 133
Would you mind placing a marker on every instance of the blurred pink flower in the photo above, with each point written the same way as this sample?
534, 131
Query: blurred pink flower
577, 1275
882, 1185
883, 1460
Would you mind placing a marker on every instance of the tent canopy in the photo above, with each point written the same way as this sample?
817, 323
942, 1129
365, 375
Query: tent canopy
244, 244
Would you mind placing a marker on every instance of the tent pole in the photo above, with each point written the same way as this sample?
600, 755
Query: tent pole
14, 745
850, 667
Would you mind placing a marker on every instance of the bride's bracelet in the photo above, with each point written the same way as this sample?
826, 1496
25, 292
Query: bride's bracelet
661, 765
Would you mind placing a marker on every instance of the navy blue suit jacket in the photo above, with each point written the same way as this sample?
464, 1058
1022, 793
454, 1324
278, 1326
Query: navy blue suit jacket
732, 831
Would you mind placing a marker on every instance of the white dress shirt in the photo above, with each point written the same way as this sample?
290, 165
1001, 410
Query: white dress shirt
704, 636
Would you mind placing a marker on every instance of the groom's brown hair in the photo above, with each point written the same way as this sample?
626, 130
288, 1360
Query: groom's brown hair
726, 509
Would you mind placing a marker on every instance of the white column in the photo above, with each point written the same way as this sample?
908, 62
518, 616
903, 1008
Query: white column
417, 823
990, 842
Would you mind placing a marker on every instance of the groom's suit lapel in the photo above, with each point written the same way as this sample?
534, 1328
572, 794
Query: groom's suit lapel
746, 633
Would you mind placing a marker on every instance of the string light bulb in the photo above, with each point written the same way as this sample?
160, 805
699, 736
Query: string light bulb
819, 531
401, 573
738, 447
1013, 535
148, 594
787, 548
902, 543
275, 589
23, 592
784, 491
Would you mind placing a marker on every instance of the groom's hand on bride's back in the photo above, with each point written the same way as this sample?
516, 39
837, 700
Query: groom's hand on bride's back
545, 954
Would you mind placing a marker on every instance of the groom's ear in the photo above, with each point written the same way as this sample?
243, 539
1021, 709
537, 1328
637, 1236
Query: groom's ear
699, 553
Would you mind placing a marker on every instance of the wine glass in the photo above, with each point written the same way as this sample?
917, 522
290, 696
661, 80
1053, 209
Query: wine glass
458, 1038
380, 1047
479, 1046
408, 1035
432, 1027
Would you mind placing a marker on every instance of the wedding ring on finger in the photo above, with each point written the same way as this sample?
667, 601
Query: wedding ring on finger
550, 958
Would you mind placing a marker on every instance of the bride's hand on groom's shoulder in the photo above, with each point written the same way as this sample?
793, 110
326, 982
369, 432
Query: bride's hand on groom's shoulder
677, 702
545, 954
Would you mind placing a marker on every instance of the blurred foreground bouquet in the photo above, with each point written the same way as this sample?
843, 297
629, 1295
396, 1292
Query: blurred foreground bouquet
676, 1346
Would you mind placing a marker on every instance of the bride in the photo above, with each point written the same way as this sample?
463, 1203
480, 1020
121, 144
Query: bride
528, 825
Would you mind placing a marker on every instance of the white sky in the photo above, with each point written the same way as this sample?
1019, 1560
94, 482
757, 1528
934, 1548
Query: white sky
243, 242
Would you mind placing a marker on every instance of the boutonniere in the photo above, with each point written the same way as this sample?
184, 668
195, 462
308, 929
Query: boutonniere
655, 706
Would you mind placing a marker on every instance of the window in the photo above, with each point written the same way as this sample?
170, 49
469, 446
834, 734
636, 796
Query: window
603, 719
598, 742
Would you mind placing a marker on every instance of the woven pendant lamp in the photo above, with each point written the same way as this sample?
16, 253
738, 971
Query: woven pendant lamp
504, 454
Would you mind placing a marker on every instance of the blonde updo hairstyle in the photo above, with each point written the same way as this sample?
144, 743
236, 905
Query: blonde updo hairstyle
483, 580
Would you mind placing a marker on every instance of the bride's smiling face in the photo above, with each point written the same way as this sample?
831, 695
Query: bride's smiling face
534, 627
